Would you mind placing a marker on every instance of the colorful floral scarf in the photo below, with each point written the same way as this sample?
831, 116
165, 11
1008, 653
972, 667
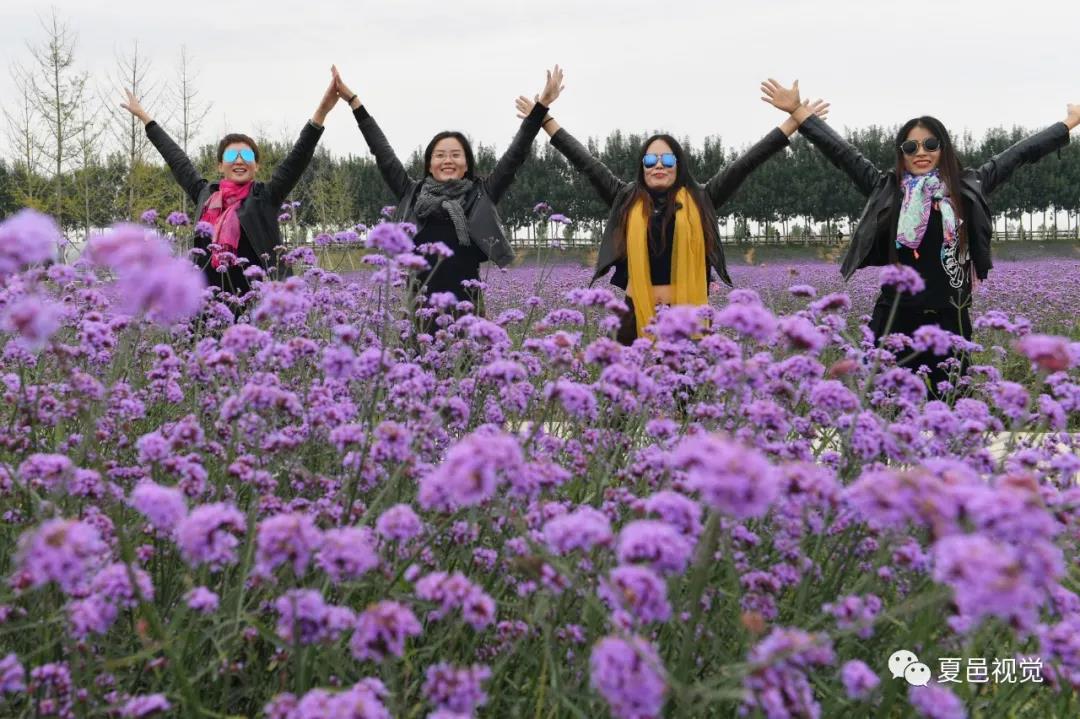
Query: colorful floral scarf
920, 194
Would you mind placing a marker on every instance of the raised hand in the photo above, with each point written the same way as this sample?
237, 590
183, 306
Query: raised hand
524, 106
784, 98
342, 89
552, 87
817, 107
134, 107
326, 104
1072, 118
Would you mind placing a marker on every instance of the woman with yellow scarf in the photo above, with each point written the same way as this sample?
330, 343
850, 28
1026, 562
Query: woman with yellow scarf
661, 236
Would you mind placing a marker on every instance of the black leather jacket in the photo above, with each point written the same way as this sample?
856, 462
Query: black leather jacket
485, 227
616, 192
876, 231
258, 213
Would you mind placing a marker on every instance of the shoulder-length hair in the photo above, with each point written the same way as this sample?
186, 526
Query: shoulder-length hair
683, 178
470, 162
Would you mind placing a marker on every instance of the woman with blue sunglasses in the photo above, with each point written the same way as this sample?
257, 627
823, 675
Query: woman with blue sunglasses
929, 213
242, 212
661, 234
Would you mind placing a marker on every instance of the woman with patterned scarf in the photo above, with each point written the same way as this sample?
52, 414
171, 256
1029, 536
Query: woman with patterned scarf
450, 203
928, 213
243, 213
661, 234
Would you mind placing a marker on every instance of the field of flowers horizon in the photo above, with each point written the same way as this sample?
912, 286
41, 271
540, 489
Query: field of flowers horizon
293, 504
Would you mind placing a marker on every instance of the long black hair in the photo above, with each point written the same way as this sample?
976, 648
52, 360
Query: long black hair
948, 167
683, 178
470, 163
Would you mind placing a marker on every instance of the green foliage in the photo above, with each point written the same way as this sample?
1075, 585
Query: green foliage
798, 185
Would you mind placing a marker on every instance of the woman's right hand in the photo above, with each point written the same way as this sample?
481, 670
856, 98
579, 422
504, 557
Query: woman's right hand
553, 86
135, 108
343, 90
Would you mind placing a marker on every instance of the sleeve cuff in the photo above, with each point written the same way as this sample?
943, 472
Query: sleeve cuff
783, 138
361, 113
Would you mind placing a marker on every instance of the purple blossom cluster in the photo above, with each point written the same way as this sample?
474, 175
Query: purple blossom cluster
232, 504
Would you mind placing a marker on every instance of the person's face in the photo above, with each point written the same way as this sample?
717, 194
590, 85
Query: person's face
234, 167
659, 177
923, 160
448, 160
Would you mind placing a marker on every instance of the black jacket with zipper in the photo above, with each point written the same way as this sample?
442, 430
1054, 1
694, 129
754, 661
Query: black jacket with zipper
875, 232
259, 211
616, 192
485, 227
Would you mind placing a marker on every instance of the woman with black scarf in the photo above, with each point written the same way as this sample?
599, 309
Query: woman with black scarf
451, 204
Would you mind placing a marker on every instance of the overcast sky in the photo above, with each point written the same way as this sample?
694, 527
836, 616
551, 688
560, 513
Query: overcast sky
691, 68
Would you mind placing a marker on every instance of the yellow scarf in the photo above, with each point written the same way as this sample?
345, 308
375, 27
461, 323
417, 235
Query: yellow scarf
688, 284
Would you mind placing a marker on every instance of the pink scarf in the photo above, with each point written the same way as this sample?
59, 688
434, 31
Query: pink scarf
220, 211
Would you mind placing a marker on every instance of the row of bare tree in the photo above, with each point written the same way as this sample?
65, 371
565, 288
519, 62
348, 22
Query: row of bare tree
61, 129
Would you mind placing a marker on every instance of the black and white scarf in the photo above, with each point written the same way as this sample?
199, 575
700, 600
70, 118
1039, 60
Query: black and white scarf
445, 197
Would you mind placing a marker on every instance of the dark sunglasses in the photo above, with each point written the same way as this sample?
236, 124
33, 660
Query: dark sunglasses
910, 147
651, 159
230, 155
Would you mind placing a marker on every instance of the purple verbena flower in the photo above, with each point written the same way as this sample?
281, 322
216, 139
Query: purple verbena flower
456, 688
381, 630
629, 675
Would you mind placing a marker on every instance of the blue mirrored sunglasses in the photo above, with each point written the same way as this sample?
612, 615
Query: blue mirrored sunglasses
230, 155
651, 158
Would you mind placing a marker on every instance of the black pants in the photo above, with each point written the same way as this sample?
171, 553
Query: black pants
909, 319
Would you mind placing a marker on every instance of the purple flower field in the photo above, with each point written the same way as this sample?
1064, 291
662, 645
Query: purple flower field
292, 505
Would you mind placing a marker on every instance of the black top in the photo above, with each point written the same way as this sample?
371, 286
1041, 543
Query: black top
948, 283
661, 241
258, 212
463, 265
616, 193
874, 235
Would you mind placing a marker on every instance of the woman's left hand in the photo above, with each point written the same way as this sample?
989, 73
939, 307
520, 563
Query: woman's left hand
552, 87
524, 106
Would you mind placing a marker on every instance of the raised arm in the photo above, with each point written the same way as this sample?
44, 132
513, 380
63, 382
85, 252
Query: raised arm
390, 167
839, 151
289, 170
503, 175
724, 183
605, 182
182, 168
1031, 149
